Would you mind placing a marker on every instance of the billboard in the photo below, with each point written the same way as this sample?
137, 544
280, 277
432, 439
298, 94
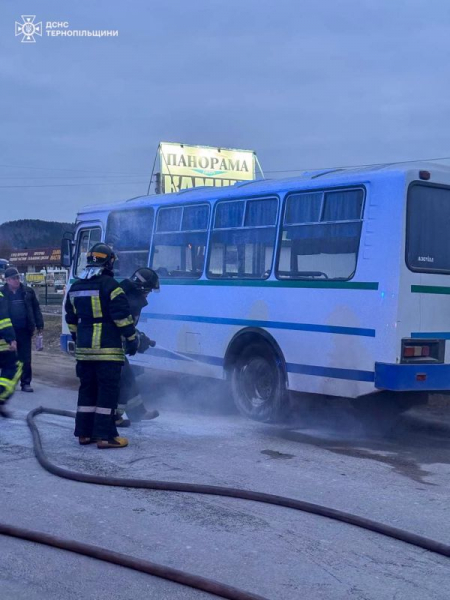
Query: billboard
41, 256
184, 167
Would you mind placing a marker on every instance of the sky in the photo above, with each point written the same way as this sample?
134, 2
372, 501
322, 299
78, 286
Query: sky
307, 84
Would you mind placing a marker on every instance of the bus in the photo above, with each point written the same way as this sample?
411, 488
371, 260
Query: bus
4, 264
335, 284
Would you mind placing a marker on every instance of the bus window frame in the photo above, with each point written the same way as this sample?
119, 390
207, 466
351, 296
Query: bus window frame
209, 205
246, 199
322, 190
407, 236
83, 227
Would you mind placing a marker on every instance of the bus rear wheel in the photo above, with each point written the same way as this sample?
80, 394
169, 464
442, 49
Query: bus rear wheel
258, 384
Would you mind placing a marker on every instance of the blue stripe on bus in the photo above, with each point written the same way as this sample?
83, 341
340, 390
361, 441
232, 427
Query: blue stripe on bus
186, 356
163, 353
333, 372
266, 324
429, 335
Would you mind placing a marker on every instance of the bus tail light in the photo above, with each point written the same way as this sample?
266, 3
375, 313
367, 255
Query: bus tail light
422, 351
412, 351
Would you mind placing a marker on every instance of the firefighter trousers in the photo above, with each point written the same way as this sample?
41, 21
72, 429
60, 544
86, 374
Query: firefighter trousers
130, 399
10, 372
98, 396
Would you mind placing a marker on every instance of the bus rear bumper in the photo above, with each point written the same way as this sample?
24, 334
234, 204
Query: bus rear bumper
409, 378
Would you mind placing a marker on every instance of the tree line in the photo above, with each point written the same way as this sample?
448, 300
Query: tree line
31, 234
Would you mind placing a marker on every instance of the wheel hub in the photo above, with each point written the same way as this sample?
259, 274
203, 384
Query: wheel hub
258, 382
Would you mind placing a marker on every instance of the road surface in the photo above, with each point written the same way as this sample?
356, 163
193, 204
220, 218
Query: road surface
281, 554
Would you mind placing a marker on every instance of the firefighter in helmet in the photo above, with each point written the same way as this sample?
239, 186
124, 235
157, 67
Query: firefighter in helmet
99, 319
10, 367
136, 288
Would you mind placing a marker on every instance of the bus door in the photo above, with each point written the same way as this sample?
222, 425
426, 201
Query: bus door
87, 235
428, 257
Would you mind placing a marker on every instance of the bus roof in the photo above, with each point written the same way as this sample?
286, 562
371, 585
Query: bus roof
305, 180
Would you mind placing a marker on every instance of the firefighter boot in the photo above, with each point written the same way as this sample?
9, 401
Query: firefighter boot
84, 441
150, 414
121, 422
3, 412
117, 442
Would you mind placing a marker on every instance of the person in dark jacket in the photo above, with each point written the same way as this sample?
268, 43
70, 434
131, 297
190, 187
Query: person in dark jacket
10, 367
136, 288
26, 317
99, 319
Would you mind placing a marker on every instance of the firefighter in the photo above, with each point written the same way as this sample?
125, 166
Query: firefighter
136, 288
98, 316
11, 368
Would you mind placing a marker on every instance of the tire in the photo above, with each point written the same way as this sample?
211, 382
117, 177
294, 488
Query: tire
258, 384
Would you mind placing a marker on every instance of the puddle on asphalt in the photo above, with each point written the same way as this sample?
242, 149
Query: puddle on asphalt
400, 465
402, 460
276, 454
408, 450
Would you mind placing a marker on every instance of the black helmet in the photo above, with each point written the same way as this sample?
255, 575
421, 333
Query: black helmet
101, 255
145, 279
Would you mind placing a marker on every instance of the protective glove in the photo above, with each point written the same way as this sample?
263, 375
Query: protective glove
131, 346
74, 336
144, 342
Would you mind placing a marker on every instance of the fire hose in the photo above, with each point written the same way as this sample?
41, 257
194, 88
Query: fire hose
194, 581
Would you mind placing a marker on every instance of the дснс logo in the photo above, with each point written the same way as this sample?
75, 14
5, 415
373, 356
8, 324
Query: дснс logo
28, 29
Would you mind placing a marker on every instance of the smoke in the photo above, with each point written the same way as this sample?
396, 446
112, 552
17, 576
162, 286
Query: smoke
186, 393
327, 418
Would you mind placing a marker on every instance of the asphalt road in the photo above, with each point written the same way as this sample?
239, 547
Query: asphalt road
321, 457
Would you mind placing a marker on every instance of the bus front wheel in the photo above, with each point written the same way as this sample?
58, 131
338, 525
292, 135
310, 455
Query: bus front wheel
258, 384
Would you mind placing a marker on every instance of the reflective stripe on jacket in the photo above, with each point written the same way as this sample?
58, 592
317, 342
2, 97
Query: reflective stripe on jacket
7, 334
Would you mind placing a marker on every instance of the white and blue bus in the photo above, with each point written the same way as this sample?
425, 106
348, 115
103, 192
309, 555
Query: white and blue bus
333, 283
4, 264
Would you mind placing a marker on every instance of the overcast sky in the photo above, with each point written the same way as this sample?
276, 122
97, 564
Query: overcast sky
305, 84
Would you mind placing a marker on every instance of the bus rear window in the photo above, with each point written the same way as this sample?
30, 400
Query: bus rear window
427, 236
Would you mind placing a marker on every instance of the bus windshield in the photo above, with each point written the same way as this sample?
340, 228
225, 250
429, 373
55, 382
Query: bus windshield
427, 238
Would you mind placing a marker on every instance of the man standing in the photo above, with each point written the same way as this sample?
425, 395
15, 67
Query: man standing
10, 368
26, 317
137, 288
98, 316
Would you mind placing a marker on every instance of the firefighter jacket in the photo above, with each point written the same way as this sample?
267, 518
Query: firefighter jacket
7, 334
135, 297
98, 313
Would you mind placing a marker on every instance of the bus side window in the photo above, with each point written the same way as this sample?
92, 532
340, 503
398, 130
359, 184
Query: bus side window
321, 234
128, 232
180, 240
243, 239
86, 239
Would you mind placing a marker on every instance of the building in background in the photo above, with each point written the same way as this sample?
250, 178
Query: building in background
41, 268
